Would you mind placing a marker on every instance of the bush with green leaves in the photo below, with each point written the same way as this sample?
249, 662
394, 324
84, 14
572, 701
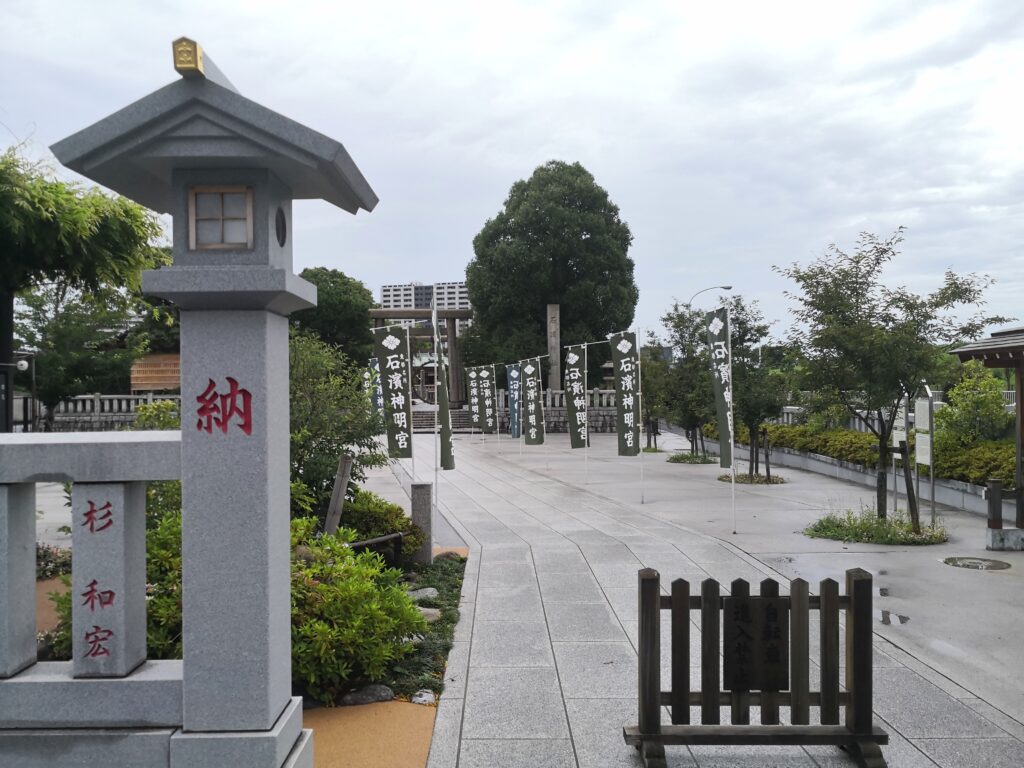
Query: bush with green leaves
867, 528
975, 410
371, 516
163, 497
691, 458
51, 561
351, 617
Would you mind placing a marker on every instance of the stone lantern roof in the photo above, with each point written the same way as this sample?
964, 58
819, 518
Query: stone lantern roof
202, 121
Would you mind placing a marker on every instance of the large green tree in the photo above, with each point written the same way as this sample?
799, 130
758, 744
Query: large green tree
557, 240
51, 230
865, 343
330, 413
341, 316
83, 341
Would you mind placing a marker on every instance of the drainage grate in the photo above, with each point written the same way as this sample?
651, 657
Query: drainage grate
977, 563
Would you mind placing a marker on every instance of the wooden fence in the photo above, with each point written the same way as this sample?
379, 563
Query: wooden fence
766, 664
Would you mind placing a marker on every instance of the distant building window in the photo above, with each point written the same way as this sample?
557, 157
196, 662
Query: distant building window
219, 217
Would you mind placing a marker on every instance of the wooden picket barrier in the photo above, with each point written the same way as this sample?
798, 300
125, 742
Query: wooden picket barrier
766, 664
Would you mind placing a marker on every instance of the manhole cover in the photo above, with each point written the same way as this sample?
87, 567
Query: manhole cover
977, 563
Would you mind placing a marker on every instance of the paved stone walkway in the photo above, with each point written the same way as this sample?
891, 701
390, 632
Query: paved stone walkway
543, 671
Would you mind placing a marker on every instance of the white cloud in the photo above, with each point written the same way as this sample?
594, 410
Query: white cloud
733, 135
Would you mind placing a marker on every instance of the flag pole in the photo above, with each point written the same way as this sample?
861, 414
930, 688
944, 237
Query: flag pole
640, 406
438, 372
497, 412
586, 397
732, 427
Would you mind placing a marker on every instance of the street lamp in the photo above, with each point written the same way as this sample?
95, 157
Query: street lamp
21, 366
702, 290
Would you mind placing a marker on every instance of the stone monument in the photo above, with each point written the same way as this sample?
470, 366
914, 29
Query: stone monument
226, 169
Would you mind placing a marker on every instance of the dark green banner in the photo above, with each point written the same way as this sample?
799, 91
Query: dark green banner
576, 395
392, 349
626, 363
533, 402
473, 395
515, 390
720, 348
488, 399
444, 416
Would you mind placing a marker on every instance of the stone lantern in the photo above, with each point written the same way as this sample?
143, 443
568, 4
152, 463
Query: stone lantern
226, 169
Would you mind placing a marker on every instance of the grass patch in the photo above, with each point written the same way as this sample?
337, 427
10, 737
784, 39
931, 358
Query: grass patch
652, 450
424, 667
691, 458
866, 528
742, 478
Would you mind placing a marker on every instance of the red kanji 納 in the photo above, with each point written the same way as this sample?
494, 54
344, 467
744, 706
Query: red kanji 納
217, 410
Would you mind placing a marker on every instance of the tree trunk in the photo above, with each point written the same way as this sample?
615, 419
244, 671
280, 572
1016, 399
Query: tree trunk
751, 452
881, 483
6, 361
647, 424
341, 480
915, 517
767, 452
703, 447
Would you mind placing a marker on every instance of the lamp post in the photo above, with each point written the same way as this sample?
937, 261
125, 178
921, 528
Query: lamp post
702, 290
8, 378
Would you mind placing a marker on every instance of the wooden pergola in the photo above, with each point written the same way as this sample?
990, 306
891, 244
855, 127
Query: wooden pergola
1005, 349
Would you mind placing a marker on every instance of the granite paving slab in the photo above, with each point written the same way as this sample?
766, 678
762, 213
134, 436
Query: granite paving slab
511, 644
973, 753
596, 670
517, 753
514, 703
583, 621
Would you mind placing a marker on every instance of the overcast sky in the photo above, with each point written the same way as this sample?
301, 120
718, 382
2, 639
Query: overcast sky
732, 135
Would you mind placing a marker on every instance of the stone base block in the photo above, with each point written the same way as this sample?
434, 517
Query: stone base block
240, 749
1004, 539
47, 695
302, 754
74, 749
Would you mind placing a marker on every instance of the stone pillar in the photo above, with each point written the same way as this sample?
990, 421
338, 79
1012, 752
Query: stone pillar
235, 531
554, 347
108, 580
456, 374
421, 512
17, 578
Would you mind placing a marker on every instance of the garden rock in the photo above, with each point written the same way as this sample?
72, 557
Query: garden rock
429, 614
427, 593
423, 696
368, 695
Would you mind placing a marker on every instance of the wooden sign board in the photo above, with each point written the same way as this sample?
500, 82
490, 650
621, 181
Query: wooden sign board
756, 643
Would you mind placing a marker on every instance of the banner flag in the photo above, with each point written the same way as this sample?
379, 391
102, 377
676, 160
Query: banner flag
626, 363
533, 402
371, 381
721, 374
513, 374
473, 394
488, 399
576, 395
392, 348
445, 416
444, 412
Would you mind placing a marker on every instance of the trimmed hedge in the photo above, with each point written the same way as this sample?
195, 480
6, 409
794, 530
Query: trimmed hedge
975, 464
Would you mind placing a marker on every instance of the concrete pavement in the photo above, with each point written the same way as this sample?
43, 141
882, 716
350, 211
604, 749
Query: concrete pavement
543, 672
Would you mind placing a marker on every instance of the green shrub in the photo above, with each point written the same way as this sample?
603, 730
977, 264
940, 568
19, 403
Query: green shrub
370, 516
691, 458
859, 448
351, 618
974, 410
163, 497
867, 528
742, 478
51, 561
991, 459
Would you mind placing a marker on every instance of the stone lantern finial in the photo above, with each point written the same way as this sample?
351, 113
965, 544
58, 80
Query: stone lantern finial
188, 57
